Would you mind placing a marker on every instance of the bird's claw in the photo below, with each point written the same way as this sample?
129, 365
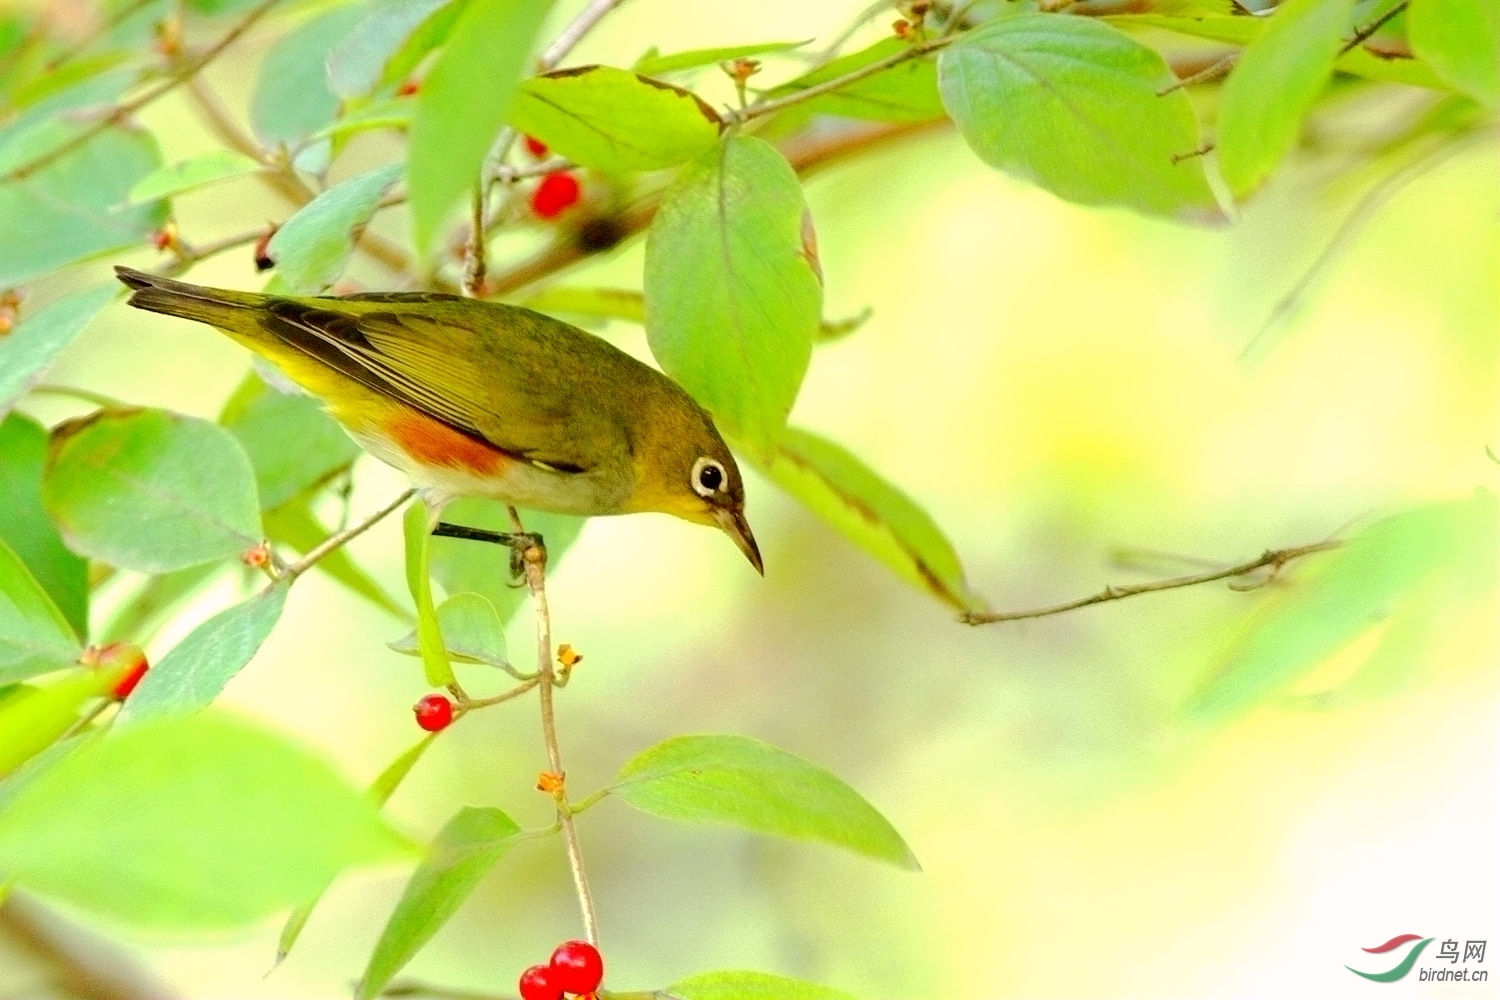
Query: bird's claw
519, 543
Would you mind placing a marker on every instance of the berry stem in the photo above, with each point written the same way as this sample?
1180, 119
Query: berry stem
534, 562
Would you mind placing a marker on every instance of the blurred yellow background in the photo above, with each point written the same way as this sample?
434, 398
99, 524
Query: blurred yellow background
1053, 384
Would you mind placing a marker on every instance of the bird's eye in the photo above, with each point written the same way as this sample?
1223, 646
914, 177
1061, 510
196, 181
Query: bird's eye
708, 477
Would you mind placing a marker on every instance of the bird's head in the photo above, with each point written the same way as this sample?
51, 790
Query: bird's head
685, 469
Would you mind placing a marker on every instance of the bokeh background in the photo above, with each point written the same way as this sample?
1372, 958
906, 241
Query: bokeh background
1055, 385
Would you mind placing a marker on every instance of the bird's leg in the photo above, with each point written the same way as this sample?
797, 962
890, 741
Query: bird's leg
517, 541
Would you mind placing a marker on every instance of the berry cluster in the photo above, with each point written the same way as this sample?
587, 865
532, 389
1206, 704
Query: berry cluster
575, 967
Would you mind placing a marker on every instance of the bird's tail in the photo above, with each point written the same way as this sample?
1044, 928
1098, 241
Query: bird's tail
234, 312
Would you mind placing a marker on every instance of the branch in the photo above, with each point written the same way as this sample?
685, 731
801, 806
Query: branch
760, 109
574, 32
1363, 34
534, 563
341, 538
182, 74
81, 963
1272, 559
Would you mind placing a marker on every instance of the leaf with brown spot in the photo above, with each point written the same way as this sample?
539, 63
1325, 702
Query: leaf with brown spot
614, 120
870, 512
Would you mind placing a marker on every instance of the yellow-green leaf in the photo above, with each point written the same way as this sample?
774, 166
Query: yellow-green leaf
743, 782
615, 120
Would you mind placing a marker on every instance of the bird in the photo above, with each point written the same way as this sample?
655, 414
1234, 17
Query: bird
480, 399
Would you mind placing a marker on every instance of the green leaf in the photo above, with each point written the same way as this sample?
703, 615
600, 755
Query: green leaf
1361, 61
191, 676
459, 565
313, 246
211, 823
453, 129
1460, 39
151, 490
465, 849
659, 65
870, 512
612, 119
356, 63
292, 98
906, 92
472, 631
35, 638
29, 349
1274, 85
26, 527
35, 718
43, 126
378, 793
294, 524
292, 443
591, 303
64, 212
417, 528
738, 984
1075, 106
744, 782
188, 175
1235, 29
1338, 596
431, 33
733, 288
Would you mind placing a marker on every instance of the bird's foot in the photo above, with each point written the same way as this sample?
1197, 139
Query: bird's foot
519, 543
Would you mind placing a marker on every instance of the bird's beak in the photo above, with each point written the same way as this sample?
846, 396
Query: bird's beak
736, 527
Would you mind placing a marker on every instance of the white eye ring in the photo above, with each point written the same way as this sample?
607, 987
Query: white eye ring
715, 470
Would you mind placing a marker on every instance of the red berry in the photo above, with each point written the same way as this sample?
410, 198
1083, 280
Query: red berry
577, 967
536, 147
127, 684
537, 984
554, 195
434, 712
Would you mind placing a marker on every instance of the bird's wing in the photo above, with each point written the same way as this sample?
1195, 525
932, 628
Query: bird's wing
438, 366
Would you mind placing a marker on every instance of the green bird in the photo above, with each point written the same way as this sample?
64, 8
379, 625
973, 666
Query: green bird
473, 398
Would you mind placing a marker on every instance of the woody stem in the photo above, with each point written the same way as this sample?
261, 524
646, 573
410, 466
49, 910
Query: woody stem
534, 562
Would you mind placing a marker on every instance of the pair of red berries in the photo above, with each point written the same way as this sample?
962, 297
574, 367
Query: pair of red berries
576, 967
557, 192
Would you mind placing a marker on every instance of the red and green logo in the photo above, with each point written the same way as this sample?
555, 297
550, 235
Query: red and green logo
1402, 967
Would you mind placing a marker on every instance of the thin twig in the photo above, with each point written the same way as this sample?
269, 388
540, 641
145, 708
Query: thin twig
181, 75
1273, 560
73, 392
1363, 34
1354, 223
534, 561
849, 30
760, 109
103, 28
475, 265
570, 36
339, 539
503, 697
1219, 67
